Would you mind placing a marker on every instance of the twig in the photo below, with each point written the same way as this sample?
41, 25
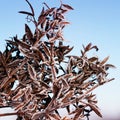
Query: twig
8, 114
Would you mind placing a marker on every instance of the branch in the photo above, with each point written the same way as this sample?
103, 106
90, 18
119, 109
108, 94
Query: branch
53, 63
8, 114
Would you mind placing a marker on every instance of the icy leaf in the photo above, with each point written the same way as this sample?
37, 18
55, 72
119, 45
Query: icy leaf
95, 109
32, 72
67, 96
67, 6
27, 13
104, 60
29, 33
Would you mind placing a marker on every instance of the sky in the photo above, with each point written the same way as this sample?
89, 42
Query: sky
95, 21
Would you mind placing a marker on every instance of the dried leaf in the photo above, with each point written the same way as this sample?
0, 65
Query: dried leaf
41, 20
88, 47
2, 59
18, 95
30, 7
29, 33
68, 50
68, 96
6, 82
64, 22
46, 49
55, 116
27, 13
48, 11
40, 54
109, 66
104, 60
32, 72
78, 113
95, 109
14, 63
38, 115
19, 106
56, 90
21, 43
67, 6
93, 59
95, 47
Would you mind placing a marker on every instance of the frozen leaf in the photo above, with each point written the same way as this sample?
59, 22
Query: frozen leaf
14, 63
56, 90
93, 59
32, 72
38, 115
46, 49
95, 47
88, 47
30, 7
26, 52
27, 13
18, 95
21, 43
95, 109
54, 116
19, 106
67, 6
68, 96
78, 113
29, 33
2, 58
107, 66
48, 11
104, 60
64, 22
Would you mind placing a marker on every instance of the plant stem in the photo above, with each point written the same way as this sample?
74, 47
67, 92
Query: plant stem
8, 114
53, 63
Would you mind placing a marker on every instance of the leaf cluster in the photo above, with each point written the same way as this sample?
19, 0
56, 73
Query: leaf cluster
48, 77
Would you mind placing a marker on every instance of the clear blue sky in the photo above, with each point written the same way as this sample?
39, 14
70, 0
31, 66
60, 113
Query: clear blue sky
96, 21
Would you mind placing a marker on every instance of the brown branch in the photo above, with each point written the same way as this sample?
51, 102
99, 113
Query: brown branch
53, 63
8, 114
74, 100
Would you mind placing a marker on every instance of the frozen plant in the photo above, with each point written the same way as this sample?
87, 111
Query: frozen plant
49, 78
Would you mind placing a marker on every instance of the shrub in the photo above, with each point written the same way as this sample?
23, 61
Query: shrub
49, 78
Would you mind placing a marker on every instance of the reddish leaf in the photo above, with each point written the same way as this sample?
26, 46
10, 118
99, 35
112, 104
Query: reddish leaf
30, 7
46, 49
32, 72
78, 113
95, 47
2, 58
109, 66
26, 52
38, 115
14, 63
21, 43
29, 33
56, 90
93, 59
48, 11
95, 109
67, 6
88, 47
54, 116
27, 13
20, 106
19, 94
67, 96
104, 60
